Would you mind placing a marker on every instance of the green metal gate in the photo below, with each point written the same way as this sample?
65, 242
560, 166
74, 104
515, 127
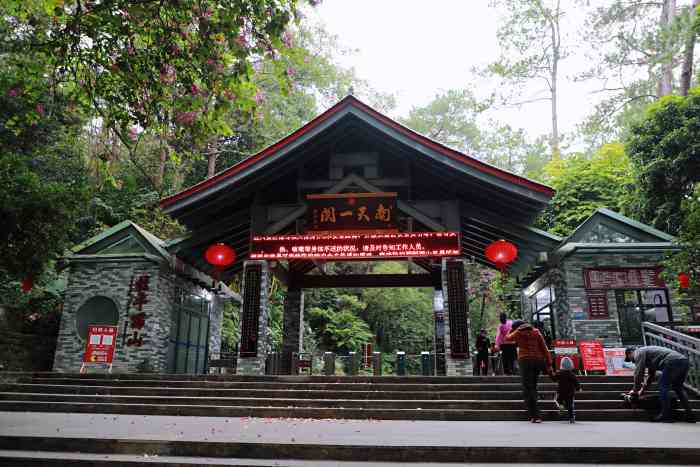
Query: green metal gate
189, 334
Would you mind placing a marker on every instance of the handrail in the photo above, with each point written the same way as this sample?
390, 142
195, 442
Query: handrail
682, 343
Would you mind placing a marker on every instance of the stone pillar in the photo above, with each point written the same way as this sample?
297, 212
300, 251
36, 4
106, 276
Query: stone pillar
439, 333
293, 337
562, 310
253, 347
454, 290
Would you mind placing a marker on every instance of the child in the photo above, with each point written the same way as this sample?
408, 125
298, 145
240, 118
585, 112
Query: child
567, 387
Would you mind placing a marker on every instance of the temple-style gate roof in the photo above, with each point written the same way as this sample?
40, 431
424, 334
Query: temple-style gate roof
354, 148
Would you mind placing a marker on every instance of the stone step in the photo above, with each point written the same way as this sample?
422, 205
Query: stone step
514, 385
312, 412
298, 379
515, 393
512, 404
433, 454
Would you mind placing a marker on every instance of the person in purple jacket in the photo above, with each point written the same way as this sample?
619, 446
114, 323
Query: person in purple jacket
508, 348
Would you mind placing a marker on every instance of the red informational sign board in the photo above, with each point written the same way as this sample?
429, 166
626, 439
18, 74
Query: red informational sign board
615, 363
597, 304
101, 341
592, 355
356, 246
565, 348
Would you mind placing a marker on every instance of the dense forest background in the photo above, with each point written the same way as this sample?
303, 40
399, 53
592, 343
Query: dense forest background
106, 106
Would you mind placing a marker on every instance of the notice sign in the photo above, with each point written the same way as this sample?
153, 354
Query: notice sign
592, 355
351, 212
399, 245
100, 344
597, 304
615, 363
623, 278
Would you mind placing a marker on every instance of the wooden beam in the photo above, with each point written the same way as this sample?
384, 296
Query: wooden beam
367, 280
321, 184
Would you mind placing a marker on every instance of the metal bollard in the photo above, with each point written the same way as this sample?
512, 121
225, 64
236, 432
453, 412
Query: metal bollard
352, 364
425, 364
329, 364
400, 363
377, 363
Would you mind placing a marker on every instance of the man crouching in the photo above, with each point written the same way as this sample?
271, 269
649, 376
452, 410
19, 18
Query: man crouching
674, 369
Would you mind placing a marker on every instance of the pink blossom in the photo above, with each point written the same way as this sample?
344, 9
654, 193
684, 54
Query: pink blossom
168, 74
229, 95
13, 92
259, 98
40, 109
210, 62
307, 59
133, 134
194, 90
241, 41
291, 72
130, 50
288, 39
186, 118
207, 13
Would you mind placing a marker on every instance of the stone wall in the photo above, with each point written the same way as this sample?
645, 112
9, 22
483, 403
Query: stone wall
571, 308
26, 352
111, 278
606, 330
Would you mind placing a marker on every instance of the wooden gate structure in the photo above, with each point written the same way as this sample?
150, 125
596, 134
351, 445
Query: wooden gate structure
351, 185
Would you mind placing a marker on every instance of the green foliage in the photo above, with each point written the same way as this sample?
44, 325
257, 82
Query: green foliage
401, 318
340, 329
665, 150
584, 184
688, 258
453, 118
450, 118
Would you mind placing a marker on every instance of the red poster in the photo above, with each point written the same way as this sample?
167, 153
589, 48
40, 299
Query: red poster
565, 348
101, 341
592, 355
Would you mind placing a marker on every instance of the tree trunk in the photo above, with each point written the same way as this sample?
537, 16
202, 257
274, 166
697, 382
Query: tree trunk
554, 75
687, 71
160, 177
211, 164
666, 81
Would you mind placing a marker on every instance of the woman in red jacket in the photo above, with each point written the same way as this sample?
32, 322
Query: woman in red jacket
533, 358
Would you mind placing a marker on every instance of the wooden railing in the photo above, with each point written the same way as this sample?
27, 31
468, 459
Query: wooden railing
654, 334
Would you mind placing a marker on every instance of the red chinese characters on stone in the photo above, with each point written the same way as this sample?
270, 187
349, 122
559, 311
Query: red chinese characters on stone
141, 287
138, 320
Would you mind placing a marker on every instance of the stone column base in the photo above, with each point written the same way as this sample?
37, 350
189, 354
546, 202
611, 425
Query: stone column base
458, 367
250, 366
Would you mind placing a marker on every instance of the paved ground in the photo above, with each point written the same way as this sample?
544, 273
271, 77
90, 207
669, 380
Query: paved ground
198, 461
350, 432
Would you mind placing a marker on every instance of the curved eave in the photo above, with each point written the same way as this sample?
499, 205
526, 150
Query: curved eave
351, 106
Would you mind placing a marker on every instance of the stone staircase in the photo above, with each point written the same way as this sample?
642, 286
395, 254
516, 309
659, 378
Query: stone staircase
318, 397
53, 419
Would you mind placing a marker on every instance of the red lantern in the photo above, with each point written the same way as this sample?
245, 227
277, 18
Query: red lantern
501, 253
684, 280
27, 284
220, 255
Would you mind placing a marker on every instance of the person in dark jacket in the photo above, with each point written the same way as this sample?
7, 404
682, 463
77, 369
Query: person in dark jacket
566, 388
533, 358
674, 370
483, 345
